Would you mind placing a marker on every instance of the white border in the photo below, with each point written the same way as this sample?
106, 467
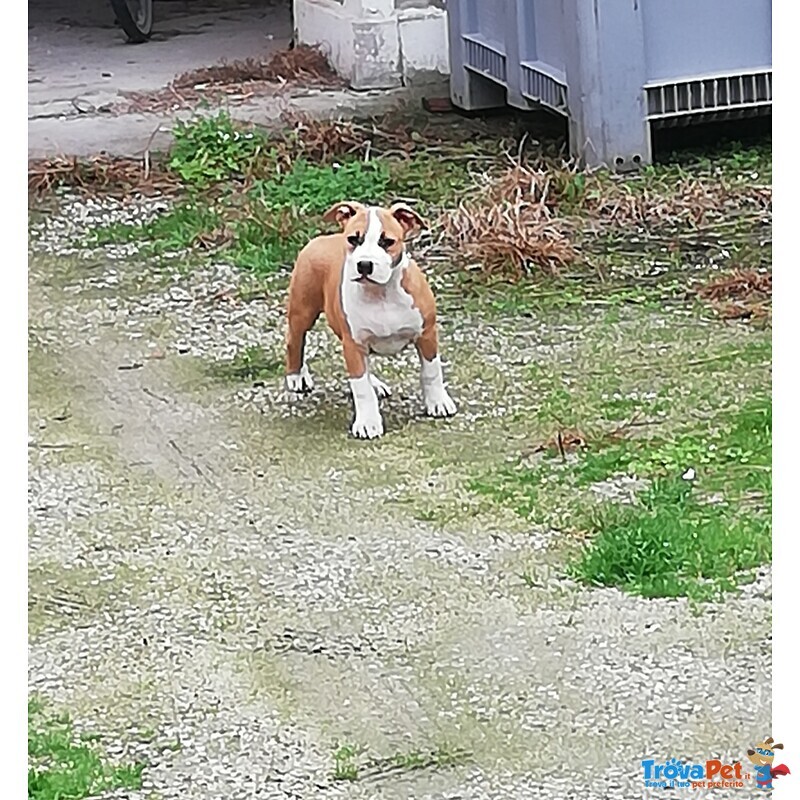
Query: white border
13, 335
786, 133
786, 447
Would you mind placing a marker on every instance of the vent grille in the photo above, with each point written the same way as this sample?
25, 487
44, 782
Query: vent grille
484, 59
544, 88
730, 93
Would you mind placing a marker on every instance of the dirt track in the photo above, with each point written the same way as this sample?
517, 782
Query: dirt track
226, 586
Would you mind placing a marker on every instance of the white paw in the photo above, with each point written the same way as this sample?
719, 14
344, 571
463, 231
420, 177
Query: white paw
440, 404
367, 428
300, 382
381, 389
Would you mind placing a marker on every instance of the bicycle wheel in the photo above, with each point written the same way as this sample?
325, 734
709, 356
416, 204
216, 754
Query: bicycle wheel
135, 17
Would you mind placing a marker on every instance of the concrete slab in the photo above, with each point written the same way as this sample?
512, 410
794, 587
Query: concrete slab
132, 134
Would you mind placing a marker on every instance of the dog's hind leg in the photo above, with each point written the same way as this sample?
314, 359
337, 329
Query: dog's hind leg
381, 389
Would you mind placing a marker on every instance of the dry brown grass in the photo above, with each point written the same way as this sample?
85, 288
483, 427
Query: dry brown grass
528, 218
688, 201
303, 65
321, 140
100, 174
509, 225
742, 294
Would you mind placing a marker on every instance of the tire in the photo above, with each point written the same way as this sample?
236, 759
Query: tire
135, 17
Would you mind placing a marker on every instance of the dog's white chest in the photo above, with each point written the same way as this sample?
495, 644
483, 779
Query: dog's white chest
382, 320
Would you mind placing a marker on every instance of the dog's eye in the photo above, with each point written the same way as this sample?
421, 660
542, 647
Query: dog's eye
385, 242
355, 239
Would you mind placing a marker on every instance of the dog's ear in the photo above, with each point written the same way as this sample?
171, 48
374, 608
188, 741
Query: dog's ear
409, 219
342, 212
777, 747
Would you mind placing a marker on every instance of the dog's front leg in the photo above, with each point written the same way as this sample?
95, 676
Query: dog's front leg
368, 423
438, 402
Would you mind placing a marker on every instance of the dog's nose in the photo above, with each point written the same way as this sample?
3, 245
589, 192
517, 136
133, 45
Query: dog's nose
364, 268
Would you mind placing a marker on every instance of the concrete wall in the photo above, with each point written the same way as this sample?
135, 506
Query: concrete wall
378, 44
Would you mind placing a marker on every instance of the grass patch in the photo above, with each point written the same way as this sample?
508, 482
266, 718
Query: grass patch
178, 229
674, 543
704, 412
251, 364
350, 763
736, 458
209, 150
260, 228
278, 216
64, 766
258, 195
345, 767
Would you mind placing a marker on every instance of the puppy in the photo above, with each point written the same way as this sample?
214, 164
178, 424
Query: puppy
375, 299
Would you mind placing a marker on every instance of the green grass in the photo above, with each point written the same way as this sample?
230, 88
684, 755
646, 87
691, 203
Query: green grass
263, 227
259, 198
351, 763
213, 149
652, 400
64, 766
250, 364
674, 542
683, 536
172, 231
345, 767
281, 214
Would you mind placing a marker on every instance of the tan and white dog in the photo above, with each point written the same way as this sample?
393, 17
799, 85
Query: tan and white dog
375, 299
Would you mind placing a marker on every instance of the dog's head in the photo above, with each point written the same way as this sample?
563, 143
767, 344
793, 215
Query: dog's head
375, 238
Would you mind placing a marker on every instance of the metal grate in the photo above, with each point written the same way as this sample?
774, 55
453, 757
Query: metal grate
701, 96
482, 58
544, 88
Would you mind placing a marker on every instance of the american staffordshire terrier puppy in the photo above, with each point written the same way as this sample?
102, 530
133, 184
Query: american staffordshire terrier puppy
375, 299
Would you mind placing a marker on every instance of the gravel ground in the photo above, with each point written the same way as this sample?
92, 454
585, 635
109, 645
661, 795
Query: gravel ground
226, 586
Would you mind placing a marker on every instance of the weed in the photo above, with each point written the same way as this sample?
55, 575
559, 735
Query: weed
527, 220
262, 228
100, 174
508, 225
742, 294
429, 182
60, 767
345, 768
313, 189
209, 150
440, 757
279, 215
